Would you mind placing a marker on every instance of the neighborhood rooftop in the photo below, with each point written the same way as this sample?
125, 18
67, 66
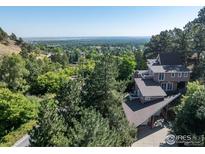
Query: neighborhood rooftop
149, 87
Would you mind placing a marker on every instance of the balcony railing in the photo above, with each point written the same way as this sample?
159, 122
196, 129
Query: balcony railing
146, 76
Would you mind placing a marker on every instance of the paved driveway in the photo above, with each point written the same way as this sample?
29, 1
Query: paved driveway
23, 142
155, 137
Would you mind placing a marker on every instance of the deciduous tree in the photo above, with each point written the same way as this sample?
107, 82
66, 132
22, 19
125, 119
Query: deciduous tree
13, 72
15, 109
190, 115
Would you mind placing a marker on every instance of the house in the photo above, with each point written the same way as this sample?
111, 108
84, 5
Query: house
165, 75
155, 88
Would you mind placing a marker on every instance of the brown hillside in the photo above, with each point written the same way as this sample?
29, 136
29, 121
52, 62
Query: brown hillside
9, 49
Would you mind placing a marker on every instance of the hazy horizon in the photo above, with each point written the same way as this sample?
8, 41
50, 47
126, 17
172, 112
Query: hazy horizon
85, 37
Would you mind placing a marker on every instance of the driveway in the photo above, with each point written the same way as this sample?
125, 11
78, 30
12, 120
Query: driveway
154, 137
23, 142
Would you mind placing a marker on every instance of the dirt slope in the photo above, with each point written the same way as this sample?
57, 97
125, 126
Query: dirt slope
9, 49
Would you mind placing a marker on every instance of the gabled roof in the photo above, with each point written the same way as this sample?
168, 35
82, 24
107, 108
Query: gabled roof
149, 88
137, 113
171, 58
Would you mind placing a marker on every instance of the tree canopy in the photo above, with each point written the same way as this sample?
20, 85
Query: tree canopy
3, 35
190, 115
85, 113
13, 73
15, 109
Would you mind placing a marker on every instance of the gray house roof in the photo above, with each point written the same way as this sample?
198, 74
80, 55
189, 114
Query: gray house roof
137, 113
167, 63
149, 87
168, 68
169, 59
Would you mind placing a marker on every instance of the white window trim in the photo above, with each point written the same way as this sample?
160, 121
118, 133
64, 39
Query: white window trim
180, 75
172, 75
171, 86
185, 74
159, 77
165, 86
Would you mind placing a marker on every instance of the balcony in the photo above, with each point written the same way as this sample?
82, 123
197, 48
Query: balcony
144, 74
147, 76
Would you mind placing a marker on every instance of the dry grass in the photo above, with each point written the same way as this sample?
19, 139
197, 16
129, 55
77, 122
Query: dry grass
9, 49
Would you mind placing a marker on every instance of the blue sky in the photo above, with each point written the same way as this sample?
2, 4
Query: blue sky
93, 21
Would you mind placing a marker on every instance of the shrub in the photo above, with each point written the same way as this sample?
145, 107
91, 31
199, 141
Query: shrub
15, 109
52, 81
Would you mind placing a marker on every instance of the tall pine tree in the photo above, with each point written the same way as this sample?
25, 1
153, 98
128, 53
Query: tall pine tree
101, 93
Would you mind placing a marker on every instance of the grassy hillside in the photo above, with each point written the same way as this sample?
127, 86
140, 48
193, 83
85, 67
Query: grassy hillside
9, 49
8, 43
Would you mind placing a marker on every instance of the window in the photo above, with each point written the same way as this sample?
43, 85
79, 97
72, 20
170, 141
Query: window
172, 75
164, 86
169, 86
161, 76
185, 74
180, 75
